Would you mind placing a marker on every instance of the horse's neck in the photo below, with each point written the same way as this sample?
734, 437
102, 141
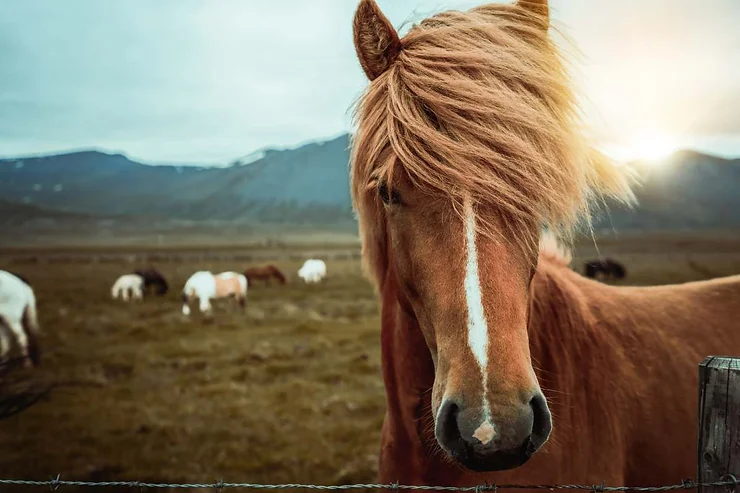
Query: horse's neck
556, 321
567, 339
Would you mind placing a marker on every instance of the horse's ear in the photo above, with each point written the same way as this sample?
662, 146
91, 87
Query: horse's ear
376, 41
537, 7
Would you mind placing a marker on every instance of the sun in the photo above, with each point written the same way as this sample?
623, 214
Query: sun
651, 146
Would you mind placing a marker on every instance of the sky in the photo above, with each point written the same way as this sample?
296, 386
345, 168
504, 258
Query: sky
209, 81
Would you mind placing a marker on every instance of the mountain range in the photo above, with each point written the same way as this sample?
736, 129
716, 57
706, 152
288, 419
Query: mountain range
310, 185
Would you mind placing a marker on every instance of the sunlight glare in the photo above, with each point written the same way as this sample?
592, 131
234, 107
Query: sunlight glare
651, 146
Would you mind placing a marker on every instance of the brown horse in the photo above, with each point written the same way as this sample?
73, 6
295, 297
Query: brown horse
500, 363
264, 273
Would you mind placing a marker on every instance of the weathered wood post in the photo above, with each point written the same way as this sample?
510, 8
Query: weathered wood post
719, 421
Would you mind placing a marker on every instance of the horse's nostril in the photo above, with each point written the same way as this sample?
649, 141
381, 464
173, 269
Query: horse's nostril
541, 424
448, 430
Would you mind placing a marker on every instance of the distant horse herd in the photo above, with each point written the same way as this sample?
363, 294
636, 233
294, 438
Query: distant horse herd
18, 316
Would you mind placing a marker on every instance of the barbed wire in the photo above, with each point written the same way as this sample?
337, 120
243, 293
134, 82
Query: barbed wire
728, 481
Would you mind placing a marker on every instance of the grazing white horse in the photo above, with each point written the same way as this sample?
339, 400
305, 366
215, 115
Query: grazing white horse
206, 286
128, 286
313, 270
18, 317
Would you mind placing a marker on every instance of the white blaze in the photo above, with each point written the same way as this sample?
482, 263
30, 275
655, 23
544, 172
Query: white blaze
477, 325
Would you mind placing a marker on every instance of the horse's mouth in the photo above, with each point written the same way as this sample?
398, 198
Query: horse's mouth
500, 460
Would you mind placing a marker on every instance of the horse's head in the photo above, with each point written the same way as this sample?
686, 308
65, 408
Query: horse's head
280, 276
467, 144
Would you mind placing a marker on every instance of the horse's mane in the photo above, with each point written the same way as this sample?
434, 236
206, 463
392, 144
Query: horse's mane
480, 104
553, 250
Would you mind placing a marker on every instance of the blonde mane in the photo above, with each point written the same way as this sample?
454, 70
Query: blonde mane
553, 250
479, 103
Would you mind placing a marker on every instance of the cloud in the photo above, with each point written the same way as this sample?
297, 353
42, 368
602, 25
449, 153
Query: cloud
205, 81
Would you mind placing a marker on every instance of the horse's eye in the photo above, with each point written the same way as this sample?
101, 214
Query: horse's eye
388, 196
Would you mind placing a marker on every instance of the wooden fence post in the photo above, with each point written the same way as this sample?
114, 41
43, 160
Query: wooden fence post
719, 421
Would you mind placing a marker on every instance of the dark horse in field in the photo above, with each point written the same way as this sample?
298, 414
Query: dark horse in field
152, 277
264, 273
608, 267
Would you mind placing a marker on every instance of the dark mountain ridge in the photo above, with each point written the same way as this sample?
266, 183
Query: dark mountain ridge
309, 184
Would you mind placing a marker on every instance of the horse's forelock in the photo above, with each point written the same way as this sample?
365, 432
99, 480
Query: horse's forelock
479, 104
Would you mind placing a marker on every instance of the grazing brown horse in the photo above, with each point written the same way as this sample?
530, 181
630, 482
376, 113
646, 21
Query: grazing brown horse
264, 273
500, 363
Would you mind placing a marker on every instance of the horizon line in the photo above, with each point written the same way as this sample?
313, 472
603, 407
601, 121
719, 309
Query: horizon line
299, 144
173, 162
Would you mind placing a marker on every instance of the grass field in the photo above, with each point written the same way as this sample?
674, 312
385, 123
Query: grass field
289, 391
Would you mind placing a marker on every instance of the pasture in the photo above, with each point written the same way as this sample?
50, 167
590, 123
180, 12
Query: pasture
288, 391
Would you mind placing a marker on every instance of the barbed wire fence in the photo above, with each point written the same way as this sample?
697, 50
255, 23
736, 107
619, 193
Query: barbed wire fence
719, 411
729, 481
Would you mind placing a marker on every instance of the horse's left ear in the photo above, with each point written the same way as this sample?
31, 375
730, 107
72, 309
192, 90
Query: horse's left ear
538, 7
376, 41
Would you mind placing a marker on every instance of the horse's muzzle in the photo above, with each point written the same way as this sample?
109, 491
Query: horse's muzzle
499, 444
